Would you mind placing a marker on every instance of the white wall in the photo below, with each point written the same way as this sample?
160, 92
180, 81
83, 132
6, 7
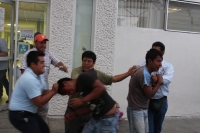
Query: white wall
182, 50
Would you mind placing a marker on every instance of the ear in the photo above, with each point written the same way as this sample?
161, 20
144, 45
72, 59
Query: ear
163, 52
32, 65
149, 61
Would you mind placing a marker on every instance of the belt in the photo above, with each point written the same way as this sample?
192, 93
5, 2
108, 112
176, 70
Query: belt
22, 112
161, 99
105, 116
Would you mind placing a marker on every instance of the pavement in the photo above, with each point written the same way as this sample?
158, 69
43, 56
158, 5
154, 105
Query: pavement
187, 124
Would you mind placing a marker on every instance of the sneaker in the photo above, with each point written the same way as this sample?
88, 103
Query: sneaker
120, 115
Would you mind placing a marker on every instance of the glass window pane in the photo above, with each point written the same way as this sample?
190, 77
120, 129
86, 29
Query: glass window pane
83, 29
32, 19
138, 13
5, 23
183, 16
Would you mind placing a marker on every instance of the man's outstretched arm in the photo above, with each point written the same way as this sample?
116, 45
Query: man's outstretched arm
120, 77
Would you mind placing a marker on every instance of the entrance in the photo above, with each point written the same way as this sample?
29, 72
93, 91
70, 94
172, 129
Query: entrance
17, 35
6, 50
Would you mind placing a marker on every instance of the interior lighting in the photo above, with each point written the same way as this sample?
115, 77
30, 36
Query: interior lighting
171, 10
10, 24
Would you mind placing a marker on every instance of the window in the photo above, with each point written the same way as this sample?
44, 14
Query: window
183, 16
31, 19
141, 13
83, 29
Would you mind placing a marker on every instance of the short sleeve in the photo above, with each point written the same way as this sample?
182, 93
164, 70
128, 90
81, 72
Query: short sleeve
147, 78
54, 60
104, 78
76, 72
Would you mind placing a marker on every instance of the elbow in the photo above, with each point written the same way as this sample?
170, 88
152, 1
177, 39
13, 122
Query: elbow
39, 105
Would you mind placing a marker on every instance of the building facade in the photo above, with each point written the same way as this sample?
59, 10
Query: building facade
119, 32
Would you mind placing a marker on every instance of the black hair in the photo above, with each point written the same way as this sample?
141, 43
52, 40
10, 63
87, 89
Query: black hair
152, 54
32, 57
159, 44
37, 33
61, 85
89, 54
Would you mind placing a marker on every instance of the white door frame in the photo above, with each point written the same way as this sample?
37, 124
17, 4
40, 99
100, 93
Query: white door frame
9, 58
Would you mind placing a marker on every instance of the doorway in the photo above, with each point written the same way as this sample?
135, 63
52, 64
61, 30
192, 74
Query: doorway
31, 17
6, 50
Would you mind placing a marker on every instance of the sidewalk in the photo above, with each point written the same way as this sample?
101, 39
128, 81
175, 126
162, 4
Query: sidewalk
171, 125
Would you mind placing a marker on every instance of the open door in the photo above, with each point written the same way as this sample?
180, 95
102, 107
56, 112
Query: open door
6, 51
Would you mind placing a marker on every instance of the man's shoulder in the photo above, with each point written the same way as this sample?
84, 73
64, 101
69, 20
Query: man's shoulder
143, 63
142, 71
47, 52
99, 72
28, 76
77, 70
166, 64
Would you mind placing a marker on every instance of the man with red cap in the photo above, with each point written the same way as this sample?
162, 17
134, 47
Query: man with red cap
40, 45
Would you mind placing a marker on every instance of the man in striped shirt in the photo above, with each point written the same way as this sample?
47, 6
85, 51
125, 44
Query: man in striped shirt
40, 45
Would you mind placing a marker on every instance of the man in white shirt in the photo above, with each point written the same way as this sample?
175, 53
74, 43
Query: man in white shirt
158, 104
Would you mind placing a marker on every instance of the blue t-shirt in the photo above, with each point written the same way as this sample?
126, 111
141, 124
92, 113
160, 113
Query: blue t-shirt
28, 86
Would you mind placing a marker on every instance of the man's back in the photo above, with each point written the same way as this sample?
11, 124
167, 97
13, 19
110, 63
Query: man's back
136, 96
101, 104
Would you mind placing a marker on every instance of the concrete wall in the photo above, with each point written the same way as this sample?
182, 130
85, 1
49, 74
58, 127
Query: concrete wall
61, 44
118, 48
182, 50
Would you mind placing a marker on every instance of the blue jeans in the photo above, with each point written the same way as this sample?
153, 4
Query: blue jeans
156, 118
108, 125
138, 120
4, 81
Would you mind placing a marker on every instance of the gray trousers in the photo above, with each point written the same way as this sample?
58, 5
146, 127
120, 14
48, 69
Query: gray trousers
42, 111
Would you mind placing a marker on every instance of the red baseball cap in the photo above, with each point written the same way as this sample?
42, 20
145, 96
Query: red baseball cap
40, 38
